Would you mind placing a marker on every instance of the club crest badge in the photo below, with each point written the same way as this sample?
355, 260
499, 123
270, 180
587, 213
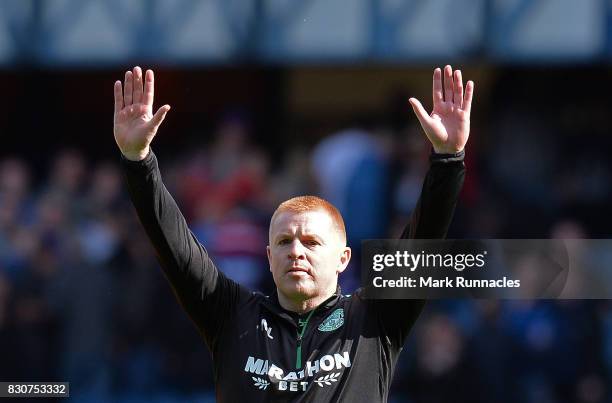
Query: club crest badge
333, 321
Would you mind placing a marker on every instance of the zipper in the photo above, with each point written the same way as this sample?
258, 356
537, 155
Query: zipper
298, 353
298, 358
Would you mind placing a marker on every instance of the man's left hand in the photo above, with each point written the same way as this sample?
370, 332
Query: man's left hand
448, 125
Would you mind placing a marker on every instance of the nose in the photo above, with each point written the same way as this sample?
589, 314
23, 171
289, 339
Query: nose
296, 251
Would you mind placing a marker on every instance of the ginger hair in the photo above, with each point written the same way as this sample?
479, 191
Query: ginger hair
302, 204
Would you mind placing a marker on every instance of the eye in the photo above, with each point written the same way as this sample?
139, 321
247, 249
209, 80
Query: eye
284, 241
311, 242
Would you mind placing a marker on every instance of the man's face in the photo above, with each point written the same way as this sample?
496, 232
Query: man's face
306, 254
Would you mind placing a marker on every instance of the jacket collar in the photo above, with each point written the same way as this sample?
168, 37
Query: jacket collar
273, 305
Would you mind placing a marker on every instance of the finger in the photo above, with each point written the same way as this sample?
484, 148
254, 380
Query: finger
159, 116
458, 89
127, 90
118, 97
469, 93
419, 111
448, 84
148, 89
137, 85
437, 88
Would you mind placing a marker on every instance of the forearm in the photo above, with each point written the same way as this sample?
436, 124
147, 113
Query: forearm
205, 293
434, 211
429, 220
184, 261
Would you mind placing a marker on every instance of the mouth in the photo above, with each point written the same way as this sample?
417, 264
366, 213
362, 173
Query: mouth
298, 269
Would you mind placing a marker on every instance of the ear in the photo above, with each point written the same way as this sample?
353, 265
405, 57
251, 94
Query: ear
345, 257
268, 252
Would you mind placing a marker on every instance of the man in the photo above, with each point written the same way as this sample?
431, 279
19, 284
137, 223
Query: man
306, 342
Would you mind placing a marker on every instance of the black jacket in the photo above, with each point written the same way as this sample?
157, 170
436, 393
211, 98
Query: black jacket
343, 351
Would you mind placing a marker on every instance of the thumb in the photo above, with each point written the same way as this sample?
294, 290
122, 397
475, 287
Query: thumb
159, 116
419, 111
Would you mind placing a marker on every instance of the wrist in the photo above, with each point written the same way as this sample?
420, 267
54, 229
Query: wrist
137, 155
447, 157
446, 150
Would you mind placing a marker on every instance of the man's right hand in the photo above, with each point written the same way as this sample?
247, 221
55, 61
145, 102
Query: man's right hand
135, 125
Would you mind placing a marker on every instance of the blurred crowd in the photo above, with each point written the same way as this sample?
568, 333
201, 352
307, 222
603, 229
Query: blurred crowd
82, 298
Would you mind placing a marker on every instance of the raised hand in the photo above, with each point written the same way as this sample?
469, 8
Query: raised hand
135, 125
448, 125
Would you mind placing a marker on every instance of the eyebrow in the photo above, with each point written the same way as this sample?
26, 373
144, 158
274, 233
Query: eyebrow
307, 236
313, 236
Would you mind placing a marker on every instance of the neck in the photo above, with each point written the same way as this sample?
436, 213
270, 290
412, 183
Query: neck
300, 305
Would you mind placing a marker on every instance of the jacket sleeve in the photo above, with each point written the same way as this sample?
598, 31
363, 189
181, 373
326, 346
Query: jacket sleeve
434, 211
430, 219
208, 296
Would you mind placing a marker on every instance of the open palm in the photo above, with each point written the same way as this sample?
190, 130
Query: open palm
135, 125
448, 125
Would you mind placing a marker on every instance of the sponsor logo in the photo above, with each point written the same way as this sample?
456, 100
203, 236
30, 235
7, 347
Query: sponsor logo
333, 321
327, 379
261, 383
326, 371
